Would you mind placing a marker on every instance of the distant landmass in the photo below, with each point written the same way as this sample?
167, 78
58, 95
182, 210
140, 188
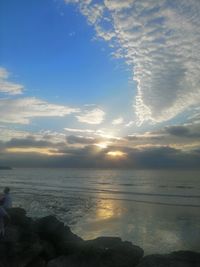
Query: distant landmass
5, 168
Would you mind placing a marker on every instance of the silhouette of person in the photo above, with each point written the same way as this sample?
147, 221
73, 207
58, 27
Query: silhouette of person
7, 199
3, 214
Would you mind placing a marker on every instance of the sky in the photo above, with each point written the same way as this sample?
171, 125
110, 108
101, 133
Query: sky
104, 84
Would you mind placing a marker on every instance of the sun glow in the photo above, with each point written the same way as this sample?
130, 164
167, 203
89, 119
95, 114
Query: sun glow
116, 153
102, 145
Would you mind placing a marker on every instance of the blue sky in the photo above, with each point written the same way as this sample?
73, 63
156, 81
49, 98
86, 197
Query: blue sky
109, 69
50, 49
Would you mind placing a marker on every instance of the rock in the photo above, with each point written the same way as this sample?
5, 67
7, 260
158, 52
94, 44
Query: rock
174, 259
21, 244
54, 231
38, 262
12, 234
101, 252
48, 251
16, 255
3, 254
188, 256
73, 261
104, 242
58, 262
18, 217
29, 254
117, 252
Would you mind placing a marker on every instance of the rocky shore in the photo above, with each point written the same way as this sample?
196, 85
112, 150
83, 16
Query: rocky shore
47, 242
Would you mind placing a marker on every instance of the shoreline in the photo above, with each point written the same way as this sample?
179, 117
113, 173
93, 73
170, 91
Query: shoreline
47, 242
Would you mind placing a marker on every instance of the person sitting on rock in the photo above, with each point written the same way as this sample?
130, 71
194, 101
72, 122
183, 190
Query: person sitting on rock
7, 200
3, 214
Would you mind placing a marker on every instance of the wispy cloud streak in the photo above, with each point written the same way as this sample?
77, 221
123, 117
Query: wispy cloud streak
8, 87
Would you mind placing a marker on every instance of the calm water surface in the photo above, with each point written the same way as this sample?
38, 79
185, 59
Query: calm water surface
157, 210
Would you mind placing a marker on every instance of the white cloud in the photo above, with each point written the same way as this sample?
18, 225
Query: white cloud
130, 123
160, 41
3, 73
118, 121
21, 110
74, 130
93, 116
8, 87
7, 134
117, 5
101, 133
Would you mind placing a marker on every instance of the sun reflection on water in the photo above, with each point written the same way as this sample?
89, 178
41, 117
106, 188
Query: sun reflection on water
107, 209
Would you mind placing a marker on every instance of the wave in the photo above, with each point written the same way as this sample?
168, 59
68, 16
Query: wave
71, 197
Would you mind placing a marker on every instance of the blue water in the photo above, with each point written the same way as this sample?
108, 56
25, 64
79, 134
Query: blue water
157, 210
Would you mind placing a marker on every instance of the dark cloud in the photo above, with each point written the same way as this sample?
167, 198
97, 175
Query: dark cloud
131, 137
155, 157
73, 139
148, 137
31, 142
91, 156
171, 147
183, 131
177, 135
178, 130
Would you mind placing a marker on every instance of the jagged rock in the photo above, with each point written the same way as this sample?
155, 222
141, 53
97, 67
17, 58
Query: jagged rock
15, 255
58, 262
174, 259
74, 261
48, 251
21, 244
101, 252
38, 262
54, 231
117, 252
104, 242
29, 254
12, 234
18, 217
189, 256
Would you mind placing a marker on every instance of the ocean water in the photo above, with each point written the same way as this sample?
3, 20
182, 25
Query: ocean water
157, 210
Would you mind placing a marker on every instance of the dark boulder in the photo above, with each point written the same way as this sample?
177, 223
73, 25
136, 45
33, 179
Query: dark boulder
115, 252
18, 217
174, 259
52, 230
49, 251
38, 262
20, 244
15, 254
73, 261
101, 252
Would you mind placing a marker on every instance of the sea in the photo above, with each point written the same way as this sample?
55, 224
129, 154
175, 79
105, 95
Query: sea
158, 210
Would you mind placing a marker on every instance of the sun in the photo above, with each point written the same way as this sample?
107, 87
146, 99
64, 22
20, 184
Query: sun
116, 153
